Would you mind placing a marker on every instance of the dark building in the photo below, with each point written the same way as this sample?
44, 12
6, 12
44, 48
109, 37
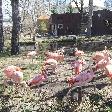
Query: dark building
70, 23
102, 22
65, 24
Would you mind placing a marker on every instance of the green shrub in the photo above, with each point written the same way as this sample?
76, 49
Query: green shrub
44, 45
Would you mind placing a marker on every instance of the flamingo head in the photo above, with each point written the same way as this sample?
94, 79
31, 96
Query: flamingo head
105, 47
76, 49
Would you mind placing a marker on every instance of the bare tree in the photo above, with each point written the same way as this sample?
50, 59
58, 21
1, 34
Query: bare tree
89, 26
79, 5
30, 10
1, 28
15, 27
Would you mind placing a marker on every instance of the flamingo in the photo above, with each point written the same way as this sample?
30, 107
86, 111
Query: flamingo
13, 73
105, 63
83, 77
56, 56
102, 59
78, 52
51, 63
17, 77
101, 64
38, 78
31, 55
77, 66
9, 70
108, 71
98, 56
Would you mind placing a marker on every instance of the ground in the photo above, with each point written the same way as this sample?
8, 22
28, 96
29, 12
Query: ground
52, 96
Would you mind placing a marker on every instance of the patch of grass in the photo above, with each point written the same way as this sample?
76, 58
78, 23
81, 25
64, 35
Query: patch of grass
32, 100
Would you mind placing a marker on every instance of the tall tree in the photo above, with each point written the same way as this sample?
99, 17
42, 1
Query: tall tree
1, 28
15, 28
89, 26
79, 5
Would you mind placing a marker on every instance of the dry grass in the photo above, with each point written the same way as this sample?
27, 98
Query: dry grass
39, 99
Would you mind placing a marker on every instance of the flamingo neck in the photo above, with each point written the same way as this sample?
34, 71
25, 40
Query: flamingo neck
43, 74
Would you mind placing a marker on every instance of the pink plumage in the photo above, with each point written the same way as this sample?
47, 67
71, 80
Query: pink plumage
108, 70
31, 54
77, 66
38, 79
13, 73
9, 71
98, 56
102, 59
51, 61
51, 64
17, 77
101, 64
78, 52
81, 79
56, 56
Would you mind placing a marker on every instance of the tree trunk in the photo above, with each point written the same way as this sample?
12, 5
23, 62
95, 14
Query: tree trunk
15, 28
1, 28
90, 18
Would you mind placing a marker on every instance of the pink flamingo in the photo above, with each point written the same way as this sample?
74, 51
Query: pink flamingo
101, 64
52, 63
98, 56
32, 55
102, 59
13, 73
83, 77
17, 77
105, 63
38, 78
78, 52
56, 56
10, 70
77, 66
108, 71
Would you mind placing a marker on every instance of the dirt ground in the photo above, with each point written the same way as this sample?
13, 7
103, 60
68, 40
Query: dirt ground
52, 95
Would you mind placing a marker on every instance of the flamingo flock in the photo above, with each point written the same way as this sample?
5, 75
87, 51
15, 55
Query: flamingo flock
102, 61
80, 77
